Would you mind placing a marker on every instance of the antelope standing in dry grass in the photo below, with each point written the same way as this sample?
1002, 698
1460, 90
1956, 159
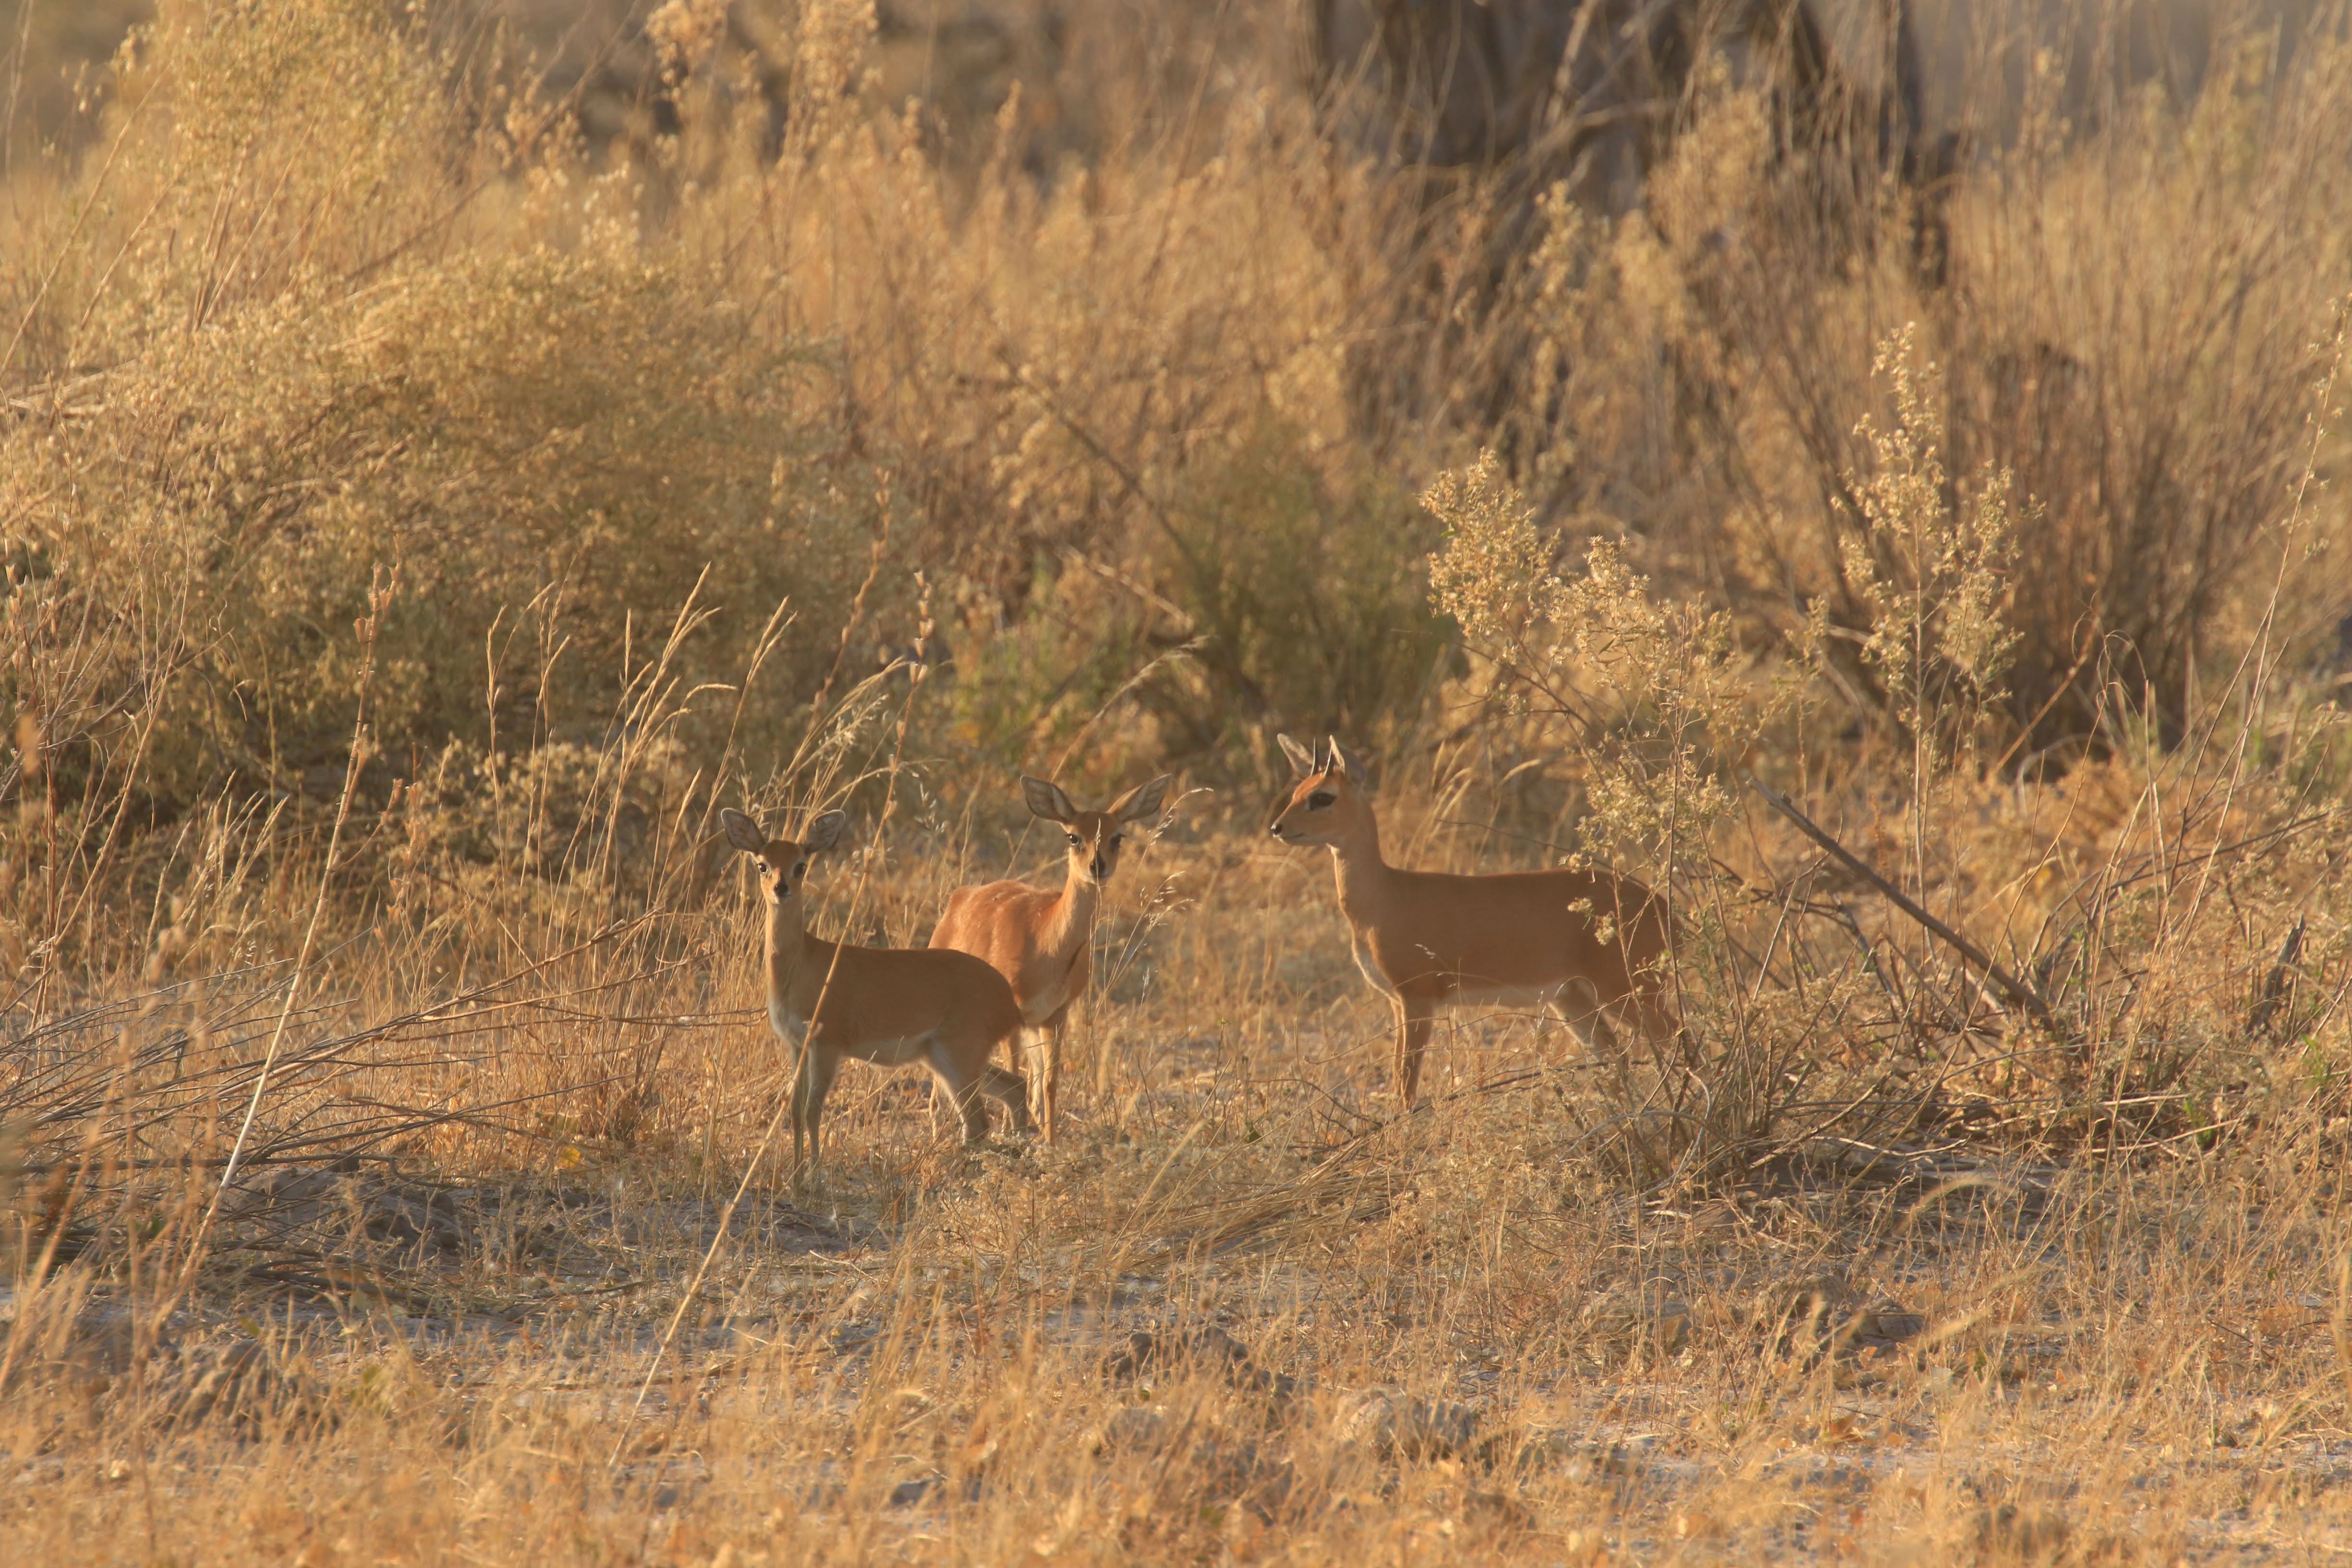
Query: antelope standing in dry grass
1042, 942
1579, 942
892, 1007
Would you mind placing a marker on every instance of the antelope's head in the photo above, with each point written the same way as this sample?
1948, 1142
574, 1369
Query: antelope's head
1094, 838
784, 862
1327, 802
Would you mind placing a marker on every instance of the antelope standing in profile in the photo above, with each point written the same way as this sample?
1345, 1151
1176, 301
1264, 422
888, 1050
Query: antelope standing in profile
893, 1007
1041, 940
1579, 943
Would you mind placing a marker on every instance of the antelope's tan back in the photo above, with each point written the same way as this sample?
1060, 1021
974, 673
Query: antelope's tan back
1431, 936
887, 994
892, 1007
1041, 940
1001, 924
1038, 938
1520, 933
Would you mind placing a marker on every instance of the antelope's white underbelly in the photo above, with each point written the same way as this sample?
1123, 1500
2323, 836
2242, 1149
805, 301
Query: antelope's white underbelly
1046, 1004
1370, 966
894, 1050
1572, 994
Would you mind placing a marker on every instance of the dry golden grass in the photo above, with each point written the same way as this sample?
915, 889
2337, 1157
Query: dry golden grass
526, 1336
540, 1347
426, 500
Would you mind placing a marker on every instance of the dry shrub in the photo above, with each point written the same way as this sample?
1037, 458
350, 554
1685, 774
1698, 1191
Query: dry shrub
1260, 597
1801, 1025
2129, 305
546, 450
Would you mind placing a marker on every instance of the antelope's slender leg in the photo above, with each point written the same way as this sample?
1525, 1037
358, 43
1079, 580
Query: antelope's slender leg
814, 1081
1413, 1015
1045, 1084
1011, 1090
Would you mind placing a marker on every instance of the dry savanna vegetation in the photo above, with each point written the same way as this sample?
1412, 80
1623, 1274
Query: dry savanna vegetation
1864, 472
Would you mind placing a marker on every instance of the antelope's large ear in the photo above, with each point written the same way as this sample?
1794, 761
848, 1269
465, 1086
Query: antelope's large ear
1046, 800
1302, 761
1352, 766
742, 832
1141, 801
825, 832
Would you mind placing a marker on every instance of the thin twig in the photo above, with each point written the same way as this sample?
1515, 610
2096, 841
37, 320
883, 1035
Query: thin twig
2017, 990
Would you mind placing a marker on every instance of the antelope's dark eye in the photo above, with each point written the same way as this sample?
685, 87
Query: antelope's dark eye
1075, 839
800, 869
1117, 839
1320, 800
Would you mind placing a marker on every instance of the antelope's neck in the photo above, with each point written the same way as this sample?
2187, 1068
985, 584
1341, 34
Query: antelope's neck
1072, 918
786, 944
1362, 875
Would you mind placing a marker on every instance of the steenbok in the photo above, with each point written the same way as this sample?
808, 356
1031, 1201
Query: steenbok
1041, 940
893, 1007
1579, 943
